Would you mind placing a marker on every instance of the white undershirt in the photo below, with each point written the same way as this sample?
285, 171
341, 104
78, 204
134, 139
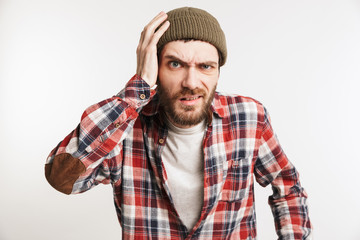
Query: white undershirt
183, 160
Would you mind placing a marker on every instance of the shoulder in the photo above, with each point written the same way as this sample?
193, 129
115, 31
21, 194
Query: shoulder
232, 105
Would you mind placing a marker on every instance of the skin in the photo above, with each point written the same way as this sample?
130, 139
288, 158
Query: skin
187, 73
147, 62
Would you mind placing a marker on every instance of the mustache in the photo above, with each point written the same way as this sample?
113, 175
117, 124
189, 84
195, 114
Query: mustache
187, 91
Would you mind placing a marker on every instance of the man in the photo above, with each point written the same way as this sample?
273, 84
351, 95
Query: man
181, 157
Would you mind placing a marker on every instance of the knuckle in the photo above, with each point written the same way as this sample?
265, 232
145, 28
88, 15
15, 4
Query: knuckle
146, 28
149, 48
143, 49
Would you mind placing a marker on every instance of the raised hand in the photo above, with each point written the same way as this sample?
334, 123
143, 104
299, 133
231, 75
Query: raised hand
147, 62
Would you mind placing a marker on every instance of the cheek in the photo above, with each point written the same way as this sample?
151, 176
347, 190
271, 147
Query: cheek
210, 83
169, 81
164, 75
160, 73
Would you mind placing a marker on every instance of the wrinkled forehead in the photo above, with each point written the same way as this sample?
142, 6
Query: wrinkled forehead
191, 51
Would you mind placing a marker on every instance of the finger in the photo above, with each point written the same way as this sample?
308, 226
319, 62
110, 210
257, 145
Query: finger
158, 19
141, 37
149, 30
148, 26
153, 25
160, 32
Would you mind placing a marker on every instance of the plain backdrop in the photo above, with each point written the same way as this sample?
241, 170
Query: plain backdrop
301, 59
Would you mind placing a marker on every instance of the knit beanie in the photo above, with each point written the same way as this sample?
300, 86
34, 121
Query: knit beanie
194, 23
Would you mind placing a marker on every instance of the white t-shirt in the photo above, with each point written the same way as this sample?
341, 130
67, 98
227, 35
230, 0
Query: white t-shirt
183, 159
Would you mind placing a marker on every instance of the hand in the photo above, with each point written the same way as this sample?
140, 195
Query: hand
147, 62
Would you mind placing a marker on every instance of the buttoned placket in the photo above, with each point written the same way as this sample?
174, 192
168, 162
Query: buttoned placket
215, 177
163, 185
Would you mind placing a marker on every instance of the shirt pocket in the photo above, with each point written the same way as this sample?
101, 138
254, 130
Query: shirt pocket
238, 179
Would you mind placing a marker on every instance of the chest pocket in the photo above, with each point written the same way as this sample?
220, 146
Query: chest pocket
238, 179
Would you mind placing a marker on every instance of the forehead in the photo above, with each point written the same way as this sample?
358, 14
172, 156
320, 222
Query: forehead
191, 51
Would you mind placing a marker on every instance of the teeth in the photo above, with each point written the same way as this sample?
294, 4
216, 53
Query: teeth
189, 99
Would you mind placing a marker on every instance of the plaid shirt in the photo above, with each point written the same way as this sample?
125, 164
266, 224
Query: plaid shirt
120, 140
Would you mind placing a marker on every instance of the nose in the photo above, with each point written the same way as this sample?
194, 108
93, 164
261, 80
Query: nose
191, 79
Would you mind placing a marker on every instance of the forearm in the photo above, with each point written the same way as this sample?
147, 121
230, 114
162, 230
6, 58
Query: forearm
71, 165
289, 206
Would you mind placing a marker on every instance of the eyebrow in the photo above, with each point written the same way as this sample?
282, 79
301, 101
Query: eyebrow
172, 57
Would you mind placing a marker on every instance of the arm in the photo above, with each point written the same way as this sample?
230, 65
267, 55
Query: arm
92, 151
288, 202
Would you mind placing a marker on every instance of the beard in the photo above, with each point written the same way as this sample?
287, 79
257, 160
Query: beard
184, 115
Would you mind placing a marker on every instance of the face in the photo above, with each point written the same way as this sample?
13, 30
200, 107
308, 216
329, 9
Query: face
188, 75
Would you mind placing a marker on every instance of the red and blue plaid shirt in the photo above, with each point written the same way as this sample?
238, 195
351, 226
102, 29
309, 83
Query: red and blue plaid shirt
120, 141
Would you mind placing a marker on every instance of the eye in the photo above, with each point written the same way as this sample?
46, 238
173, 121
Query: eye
206, 67
174, 64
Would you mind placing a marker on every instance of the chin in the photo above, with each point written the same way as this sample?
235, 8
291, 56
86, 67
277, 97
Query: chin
187, 118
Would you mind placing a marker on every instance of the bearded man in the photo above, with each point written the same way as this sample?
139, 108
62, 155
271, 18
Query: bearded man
181, 157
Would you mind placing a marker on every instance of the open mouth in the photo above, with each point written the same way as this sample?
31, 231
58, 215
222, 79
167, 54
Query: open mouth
190, 100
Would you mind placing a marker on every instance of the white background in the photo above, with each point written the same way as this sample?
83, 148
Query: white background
57, 57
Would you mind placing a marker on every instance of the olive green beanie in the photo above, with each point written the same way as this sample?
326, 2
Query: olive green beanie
194, 23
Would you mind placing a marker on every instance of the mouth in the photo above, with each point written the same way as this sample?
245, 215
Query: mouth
190, 100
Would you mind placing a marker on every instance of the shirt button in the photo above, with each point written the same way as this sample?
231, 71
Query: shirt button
161, 141
117, 125
142, 96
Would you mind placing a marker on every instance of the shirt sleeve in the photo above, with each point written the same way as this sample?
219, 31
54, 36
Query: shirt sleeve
91, 154
288, 202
